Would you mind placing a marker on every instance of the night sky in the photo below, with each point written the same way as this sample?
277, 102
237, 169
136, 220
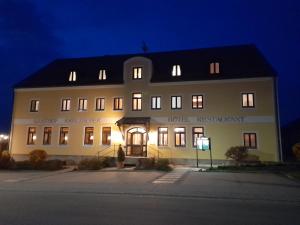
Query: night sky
35, 32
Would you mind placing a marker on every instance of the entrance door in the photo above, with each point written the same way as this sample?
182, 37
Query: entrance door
136, 142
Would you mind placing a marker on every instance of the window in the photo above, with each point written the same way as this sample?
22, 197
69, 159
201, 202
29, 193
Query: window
156, 102
106, 135
82, 104
176, 102
248, 100
162, 136
63, 135
47, 136
197, 102
197, 133
100, 104
214, 68
179, 137
72, 76
250, 140
136, 101
34, 105
102, 75
118, 103
31, 136
137, 73
66, 105
176, 71
89, 135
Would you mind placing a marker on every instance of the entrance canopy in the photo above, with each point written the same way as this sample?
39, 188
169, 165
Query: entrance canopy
134, 121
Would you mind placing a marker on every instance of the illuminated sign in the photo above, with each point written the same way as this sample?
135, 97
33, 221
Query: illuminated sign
203, 143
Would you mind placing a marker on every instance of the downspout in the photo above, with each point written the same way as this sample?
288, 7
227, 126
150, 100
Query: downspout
12, 124
276, 107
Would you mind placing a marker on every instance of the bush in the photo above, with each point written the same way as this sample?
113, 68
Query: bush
237, 153
163, 164
92, 164
6, 161
145, 163
296, 150
37, 157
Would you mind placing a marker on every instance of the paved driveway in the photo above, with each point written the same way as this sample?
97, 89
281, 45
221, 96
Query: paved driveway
135, 198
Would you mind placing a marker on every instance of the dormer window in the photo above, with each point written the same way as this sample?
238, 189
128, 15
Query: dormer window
72, 76
137, 73
176, 71
214, 68
102, 75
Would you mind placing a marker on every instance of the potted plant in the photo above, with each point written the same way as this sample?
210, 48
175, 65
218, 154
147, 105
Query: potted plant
121, 157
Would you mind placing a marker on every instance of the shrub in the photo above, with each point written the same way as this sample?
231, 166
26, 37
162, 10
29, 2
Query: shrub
237, 153
92, 164
145, 163
37, 157
6, 161
296, 150
163, 164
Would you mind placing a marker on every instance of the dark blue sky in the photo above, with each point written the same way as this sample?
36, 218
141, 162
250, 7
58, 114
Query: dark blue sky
34, 32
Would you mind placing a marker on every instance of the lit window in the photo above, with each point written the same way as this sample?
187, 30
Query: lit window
197, 101
82, 104
197, 133
137, 73
248, 100
156, 102
100, 104
63, 135
118, 103
34, 106
106, 135
162, 136
102, 75
47, 136
176, 71
214, 68
72, 76
136, 101
250, 140
176, 102
31, 136
65, 104
179, 137
89, 135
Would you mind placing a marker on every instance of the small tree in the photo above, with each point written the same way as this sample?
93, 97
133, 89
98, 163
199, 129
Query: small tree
37, 157
121, 157
296, 150
237, 153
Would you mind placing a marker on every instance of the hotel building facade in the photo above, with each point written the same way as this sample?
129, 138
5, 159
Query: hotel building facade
153, 104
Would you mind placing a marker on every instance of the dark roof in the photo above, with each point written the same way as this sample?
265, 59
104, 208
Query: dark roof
242, 61
133, 120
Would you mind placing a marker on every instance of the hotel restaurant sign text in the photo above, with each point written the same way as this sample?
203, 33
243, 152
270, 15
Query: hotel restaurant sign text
159, 120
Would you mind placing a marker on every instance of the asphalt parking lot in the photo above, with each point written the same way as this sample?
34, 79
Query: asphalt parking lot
147, 197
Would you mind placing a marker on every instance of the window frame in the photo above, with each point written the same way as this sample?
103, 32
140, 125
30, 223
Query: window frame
214, 68
137, 73
34, 105
197, 103
180, 138
63, 141
250, 142
117, 100
194, 142
138, 101
247, 98
31, 136
102, 74
156, 97
96, 104
49, 137
164, 134
62, 105
89, 136
176, 101
72, 76
106, 139
84, 109
176, 70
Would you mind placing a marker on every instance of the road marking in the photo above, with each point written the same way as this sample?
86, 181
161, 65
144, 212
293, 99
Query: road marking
14, 180
171, 177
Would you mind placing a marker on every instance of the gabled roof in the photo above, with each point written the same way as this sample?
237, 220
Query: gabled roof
242, 61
